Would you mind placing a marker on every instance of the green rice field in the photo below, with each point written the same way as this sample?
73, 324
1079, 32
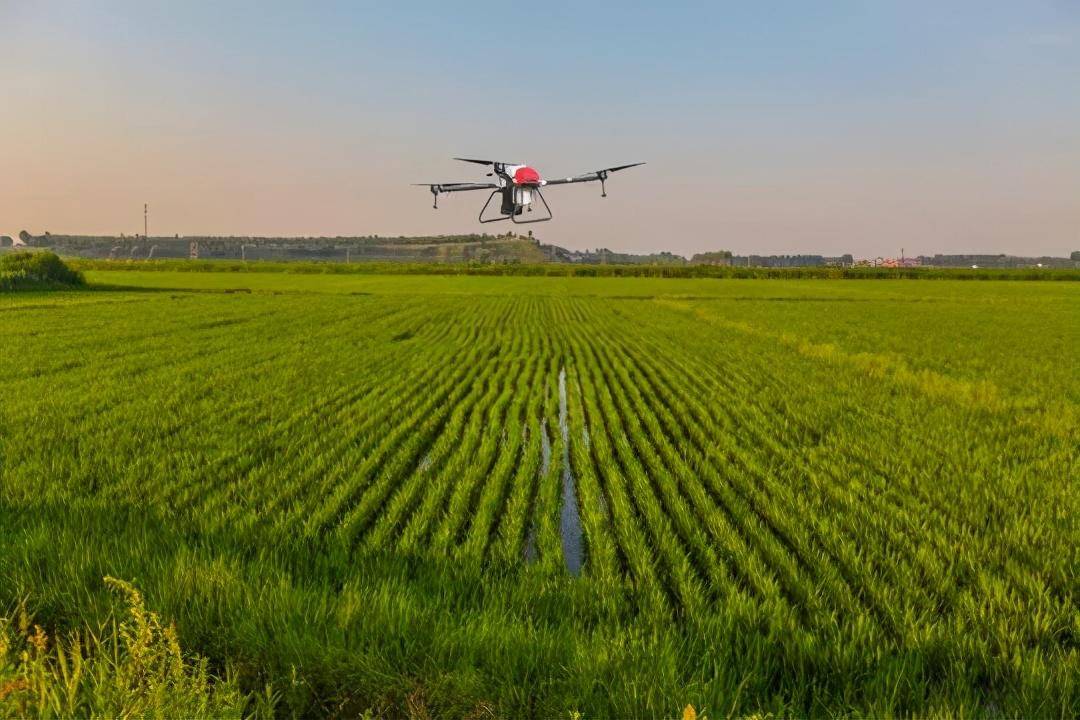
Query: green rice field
455, 496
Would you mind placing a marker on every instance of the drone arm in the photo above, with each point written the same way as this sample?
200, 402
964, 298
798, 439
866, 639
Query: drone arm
600, 175
437, 188
457, 187
589, 177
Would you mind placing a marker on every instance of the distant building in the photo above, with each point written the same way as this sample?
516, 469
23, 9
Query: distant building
785, 261
901, 262
997, 261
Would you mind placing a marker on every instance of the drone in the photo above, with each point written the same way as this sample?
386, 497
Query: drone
518, 185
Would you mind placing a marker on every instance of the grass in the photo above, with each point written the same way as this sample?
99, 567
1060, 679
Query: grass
796, 497
133, 667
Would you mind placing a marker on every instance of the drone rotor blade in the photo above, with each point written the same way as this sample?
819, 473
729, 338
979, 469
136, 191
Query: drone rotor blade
486, 162
621, 167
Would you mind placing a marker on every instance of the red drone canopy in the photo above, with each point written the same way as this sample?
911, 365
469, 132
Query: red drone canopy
525, 175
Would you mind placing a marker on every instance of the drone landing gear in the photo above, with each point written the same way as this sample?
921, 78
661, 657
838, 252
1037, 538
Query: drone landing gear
484, 209
514, 217
513, 212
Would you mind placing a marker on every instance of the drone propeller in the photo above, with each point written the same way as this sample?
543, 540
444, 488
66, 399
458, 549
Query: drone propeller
601, 175
620, 167
494, 163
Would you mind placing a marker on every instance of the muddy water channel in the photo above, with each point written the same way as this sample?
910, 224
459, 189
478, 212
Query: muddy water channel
570, 519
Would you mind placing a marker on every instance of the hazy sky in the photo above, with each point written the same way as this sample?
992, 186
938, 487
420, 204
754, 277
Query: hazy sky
767, 127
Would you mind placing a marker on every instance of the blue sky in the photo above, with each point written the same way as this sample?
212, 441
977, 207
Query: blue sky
768, 127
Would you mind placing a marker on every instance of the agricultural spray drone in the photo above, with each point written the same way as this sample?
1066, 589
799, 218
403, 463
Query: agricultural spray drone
518, 185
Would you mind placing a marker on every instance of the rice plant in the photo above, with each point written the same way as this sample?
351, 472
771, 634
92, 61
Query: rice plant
531, 496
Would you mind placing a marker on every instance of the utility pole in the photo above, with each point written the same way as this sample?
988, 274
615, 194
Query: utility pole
146, 220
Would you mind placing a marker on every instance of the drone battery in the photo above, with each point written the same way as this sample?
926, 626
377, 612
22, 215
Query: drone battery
508, 206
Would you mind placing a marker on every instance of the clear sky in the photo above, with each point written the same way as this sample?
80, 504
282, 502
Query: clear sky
768, 127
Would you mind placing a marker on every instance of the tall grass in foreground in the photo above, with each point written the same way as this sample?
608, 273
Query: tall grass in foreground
132, 667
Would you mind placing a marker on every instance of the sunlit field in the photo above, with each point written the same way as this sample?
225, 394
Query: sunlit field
526, 496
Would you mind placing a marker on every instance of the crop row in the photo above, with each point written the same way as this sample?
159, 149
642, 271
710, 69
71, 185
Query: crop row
705, 473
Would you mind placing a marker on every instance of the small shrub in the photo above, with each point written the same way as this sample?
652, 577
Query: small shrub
133, 668
36, 270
